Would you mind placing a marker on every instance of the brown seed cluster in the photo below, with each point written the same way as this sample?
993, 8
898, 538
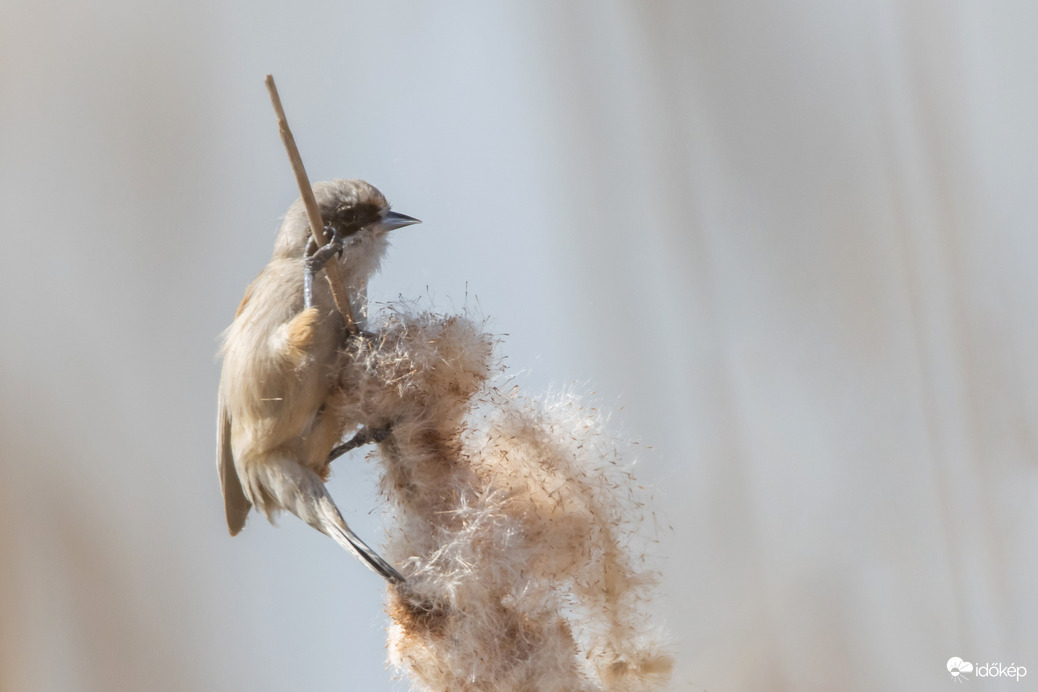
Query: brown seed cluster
512, 519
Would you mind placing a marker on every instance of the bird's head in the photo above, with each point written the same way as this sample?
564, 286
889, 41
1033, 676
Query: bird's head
355, 209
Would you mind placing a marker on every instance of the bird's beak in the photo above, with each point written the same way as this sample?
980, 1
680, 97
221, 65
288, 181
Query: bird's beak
393, 219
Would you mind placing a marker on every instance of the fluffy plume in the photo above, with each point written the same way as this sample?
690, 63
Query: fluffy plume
512, 519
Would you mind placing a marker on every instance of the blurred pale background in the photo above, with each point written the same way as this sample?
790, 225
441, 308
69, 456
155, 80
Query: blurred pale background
794, 241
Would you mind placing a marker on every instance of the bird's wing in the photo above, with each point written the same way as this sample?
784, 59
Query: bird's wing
235, 502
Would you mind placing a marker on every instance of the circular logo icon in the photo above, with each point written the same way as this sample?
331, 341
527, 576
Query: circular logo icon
957, 667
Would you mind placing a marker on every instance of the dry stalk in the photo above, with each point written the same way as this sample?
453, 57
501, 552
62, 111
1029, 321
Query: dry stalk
331, 270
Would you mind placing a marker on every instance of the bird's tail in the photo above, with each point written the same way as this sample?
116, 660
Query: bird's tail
302, 492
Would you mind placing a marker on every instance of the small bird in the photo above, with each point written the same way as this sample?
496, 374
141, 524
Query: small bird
274, 435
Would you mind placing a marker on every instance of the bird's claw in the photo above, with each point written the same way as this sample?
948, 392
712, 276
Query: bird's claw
365, 435
314, 260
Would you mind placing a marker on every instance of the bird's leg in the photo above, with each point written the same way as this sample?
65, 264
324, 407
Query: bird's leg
365, 435
314, 259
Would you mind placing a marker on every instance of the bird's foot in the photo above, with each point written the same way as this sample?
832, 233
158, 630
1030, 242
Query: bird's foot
365, 435
314, 261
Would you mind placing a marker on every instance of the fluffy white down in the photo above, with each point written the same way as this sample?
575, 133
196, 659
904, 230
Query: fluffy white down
513, 519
